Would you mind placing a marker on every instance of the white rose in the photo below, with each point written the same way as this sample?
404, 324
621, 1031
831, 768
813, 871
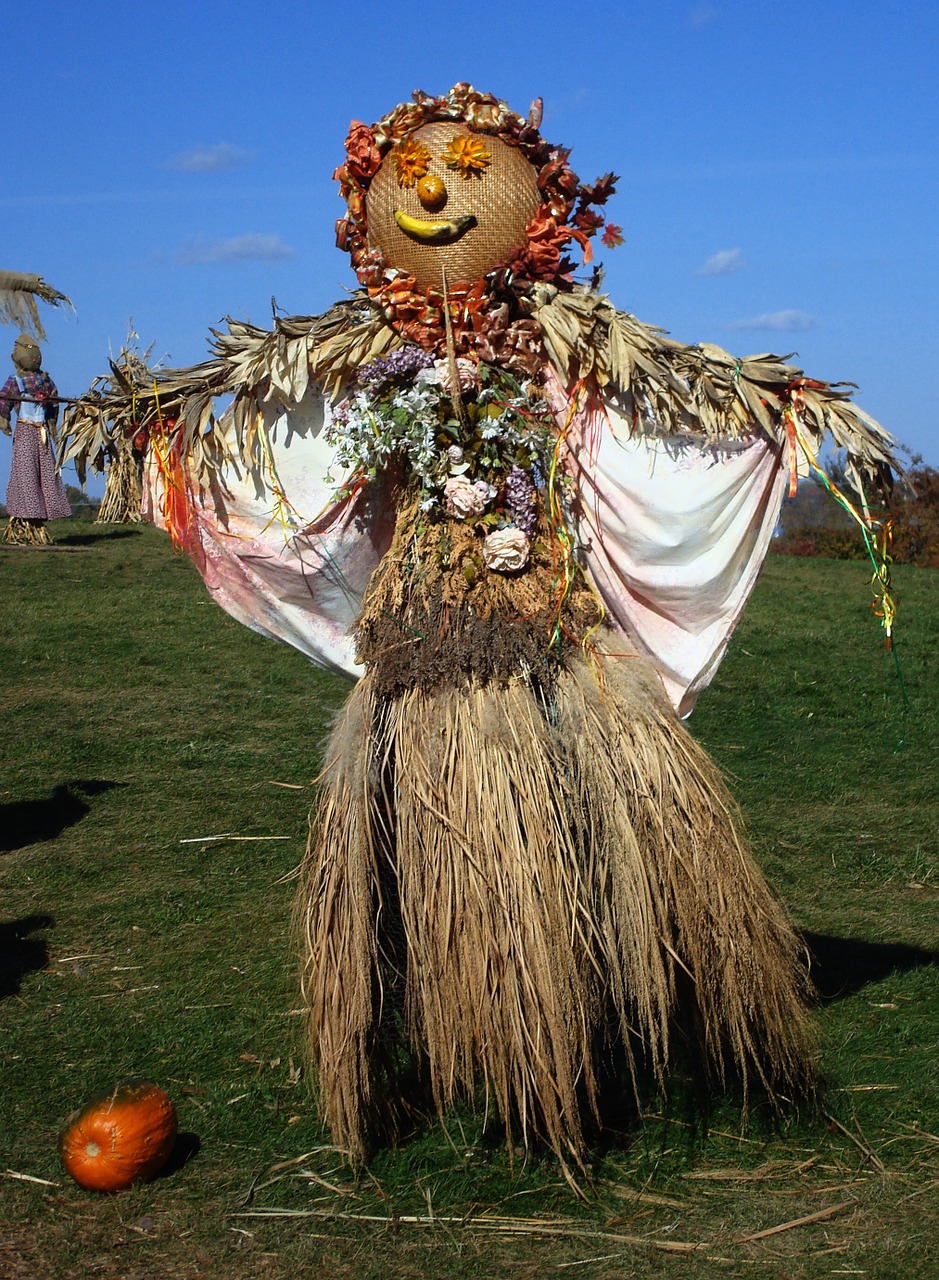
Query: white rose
506, 550
462, 499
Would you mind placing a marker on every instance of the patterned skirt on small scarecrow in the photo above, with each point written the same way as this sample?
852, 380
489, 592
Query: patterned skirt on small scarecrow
35, 493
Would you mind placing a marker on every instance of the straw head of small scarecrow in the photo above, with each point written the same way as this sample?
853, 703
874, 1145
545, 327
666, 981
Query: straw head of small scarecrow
458, 197
26, 355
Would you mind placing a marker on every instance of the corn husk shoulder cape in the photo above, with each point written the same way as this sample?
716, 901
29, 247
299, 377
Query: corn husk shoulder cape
666, 386
645, 419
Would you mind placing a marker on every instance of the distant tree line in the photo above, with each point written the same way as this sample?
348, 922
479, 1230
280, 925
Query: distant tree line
812, 524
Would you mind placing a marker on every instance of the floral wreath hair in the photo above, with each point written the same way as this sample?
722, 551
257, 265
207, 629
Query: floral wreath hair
565, 214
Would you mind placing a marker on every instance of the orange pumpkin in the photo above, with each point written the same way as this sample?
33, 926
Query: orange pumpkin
120, 1137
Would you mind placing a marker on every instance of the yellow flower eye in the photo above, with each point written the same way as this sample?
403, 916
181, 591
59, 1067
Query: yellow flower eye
411, 159
468, 155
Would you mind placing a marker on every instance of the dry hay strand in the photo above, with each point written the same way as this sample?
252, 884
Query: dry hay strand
337, 918
497, 920
122, 492
440, 894
689, 930
26, 533
501, 878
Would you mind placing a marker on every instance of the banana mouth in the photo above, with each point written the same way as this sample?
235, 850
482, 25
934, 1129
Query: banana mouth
434, 230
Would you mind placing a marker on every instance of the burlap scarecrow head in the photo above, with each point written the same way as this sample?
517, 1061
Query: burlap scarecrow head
460, 196
27, 357
447, 200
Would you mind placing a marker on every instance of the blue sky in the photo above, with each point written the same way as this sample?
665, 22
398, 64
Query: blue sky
779, 162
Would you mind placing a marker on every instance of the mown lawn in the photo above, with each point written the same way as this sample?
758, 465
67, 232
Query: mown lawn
138, 721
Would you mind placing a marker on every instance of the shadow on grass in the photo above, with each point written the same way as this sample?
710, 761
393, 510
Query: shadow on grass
186, 1148
21, 954
106, 534
842, 966
25, 822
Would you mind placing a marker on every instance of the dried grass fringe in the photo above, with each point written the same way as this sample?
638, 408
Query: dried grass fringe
505, 876
26, 533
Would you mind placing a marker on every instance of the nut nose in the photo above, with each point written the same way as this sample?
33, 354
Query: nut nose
432, 191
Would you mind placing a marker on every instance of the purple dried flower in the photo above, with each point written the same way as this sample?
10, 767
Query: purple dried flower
403, 363
520, 500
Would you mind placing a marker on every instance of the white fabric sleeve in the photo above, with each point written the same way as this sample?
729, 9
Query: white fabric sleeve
674, 532
249, 536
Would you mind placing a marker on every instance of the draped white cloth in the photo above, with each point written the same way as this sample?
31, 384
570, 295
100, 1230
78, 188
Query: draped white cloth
672, 531
256, 553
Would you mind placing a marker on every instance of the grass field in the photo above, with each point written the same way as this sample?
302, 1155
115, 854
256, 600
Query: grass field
139, 722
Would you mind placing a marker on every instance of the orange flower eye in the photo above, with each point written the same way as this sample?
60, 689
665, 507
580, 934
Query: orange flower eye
468, 155
411, 159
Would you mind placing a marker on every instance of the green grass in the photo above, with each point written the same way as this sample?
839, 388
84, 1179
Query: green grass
139, 720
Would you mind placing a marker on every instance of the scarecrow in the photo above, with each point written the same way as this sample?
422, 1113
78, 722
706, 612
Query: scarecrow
35, 492
103, 431
526, 523
121, 454
34, 487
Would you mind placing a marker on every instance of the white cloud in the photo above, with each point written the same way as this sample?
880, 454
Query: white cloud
790, 321
723, 263
246, 248
211, 159
703, 16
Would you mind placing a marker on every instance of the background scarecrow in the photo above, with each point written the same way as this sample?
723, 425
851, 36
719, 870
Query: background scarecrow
527, 523
35, 492
34, 489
